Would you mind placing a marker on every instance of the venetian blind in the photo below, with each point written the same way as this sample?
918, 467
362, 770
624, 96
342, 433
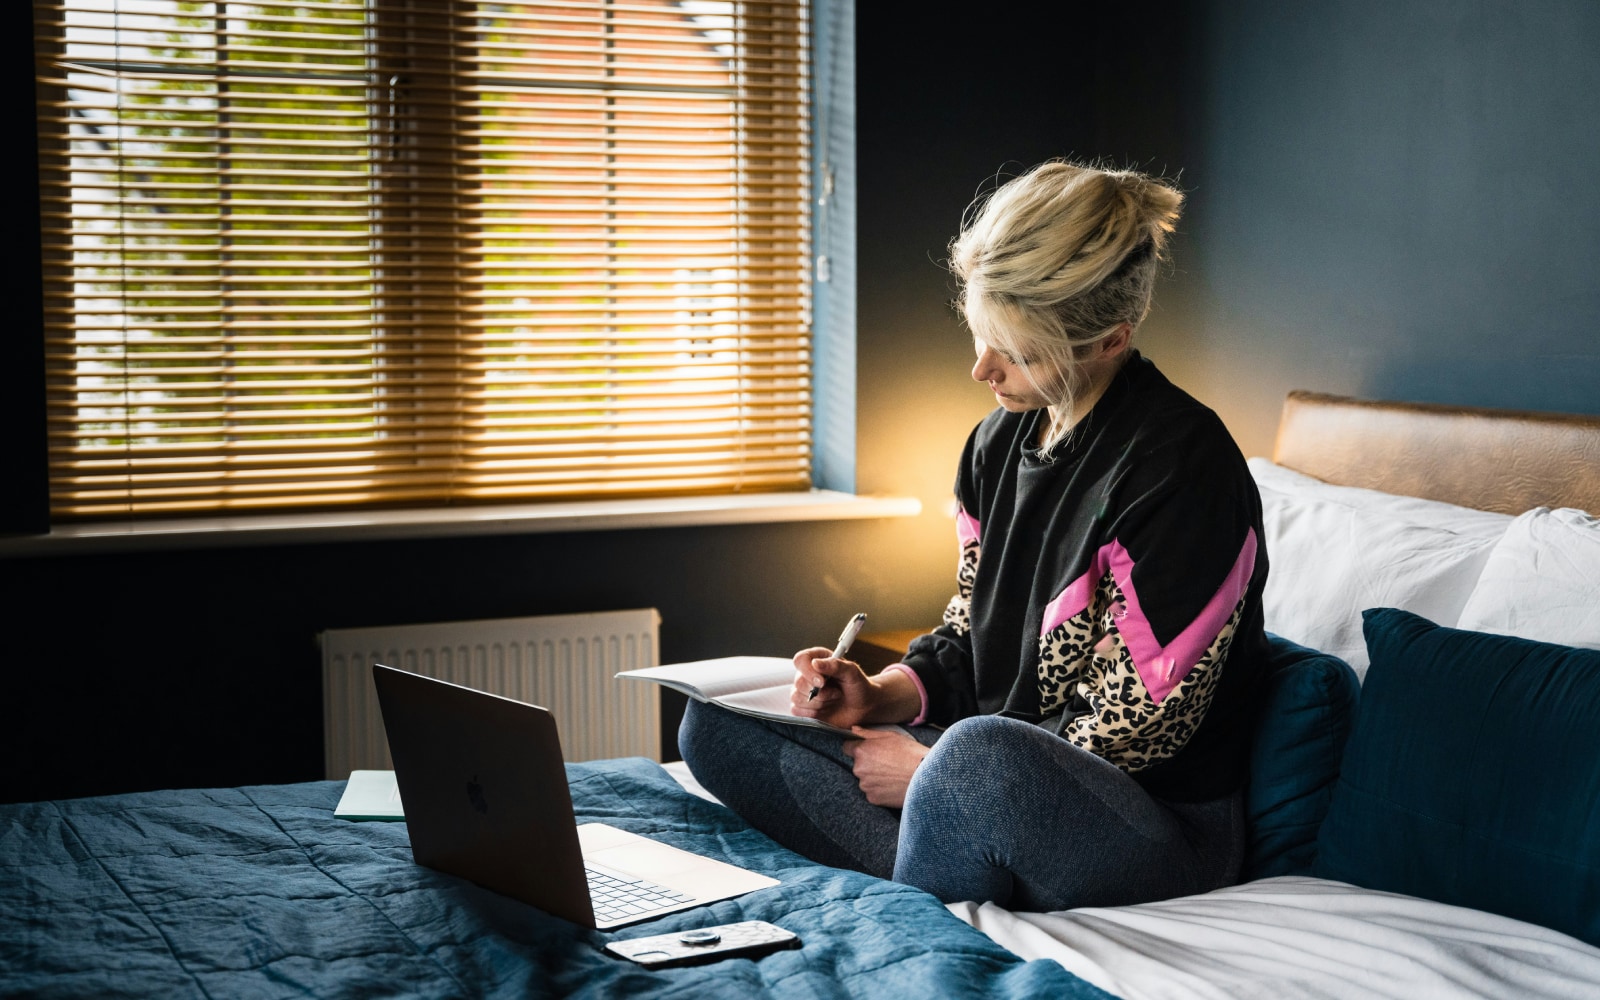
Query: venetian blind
377, 252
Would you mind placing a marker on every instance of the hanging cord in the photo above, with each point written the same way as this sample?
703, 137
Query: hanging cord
827, 92
118, 81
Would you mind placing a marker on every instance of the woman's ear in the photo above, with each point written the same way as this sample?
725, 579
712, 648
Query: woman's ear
1117, 343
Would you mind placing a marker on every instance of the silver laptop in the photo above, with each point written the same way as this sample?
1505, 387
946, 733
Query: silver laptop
486, 798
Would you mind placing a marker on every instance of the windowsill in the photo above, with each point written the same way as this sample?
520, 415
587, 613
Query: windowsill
518, 519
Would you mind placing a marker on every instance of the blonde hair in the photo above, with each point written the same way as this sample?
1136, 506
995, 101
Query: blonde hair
1055, 260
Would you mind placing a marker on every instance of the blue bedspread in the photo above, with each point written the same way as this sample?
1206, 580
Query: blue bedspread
261, 892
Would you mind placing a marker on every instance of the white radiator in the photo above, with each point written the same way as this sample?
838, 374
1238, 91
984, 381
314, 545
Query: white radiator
565, 663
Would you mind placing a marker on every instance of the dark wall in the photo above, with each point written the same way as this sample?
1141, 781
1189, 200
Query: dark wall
24, 502
1387, 199
228, 691
949, 106
1391, 200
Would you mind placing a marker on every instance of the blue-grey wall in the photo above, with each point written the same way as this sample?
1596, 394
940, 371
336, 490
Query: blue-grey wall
1386, 199
1390, 199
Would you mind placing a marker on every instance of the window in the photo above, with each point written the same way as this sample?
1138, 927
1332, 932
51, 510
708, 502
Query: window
315, 254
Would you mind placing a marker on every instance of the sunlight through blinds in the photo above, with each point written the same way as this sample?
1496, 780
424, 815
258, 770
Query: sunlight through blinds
372, 252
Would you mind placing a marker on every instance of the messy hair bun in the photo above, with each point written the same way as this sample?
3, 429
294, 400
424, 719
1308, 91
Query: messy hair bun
1058, 258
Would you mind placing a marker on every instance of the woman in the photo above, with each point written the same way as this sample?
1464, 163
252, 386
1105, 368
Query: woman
1075, 733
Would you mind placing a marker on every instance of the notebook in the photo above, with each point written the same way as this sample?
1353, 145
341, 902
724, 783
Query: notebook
485, 793
370, 795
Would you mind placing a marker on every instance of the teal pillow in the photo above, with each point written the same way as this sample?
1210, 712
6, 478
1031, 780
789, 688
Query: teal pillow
1473, 775
1308, 703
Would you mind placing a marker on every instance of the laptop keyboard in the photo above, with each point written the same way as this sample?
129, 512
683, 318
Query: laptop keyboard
615, 895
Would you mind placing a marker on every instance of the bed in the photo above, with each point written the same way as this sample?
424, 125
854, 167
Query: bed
1411, 869
260, 891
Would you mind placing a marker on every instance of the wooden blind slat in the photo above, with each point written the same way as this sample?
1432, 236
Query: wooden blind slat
330, 253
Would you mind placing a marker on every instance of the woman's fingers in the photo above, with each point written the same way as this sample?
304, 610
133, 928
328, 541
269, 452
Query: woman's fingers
829, 688
811, 692
814, 666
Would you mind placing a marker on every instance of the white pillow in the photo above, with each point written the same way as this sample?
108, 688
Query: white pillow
1338, 550
1542, 580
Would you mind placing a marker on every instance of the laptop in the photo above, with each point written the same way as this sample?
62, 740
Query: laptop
485, 793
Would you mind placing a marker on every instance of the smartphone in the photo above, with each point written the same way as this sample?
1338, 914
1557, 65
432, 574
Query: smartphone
746, 939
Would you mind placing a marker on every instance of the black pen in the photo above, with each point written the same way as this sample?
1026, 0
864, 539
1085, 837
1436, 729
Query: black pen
846, 639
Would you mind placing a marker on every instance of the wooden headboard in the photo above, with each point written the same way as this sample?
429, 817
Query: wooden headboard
1507, 461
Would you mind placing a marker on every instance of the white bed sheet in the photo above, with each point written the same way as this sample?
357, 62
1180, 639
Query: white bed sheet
682, 775
1292, 937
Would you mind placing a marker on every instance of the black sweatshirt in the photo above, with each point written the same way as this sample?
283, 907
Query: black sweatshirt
1112, 592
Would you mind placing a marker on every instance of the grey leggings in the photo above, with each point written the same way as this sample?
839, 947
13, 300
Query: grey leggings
998, 811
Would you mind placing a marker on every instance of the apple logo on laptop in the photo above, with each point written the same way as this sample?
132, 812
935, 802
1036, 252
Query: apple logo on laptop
475, 795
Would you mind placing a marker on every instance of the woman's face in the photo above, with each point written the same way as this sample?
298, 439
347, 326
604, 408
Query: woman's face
1012, 387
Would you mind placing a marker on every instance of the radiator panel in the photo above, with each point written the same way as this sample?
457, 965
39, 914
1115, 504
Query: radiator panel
565, 663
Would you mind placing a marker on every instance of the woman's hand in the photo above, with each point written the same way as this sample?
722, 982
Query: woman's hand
884, 763
835, 691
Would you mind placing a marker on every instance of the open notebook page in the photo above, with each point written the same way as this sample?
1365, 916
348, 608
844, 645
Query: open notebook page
720, 678
773, 700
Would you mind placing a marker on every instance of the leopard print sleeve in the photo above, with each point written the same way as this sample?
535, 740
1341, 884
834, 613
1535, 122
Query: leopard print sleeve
1140, 700
958, 613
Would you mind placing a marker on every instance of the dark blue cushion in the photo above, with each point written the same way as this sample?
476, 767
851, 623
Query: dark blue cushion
1473, 775
1308, 706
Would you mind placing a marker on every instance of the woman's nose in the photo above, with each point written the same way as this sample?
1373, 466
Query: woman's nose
983, 370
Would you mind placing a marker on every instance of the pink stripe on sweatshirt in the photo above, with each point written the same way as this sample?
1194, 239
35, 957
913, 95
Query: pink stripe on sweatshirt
1161, 668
